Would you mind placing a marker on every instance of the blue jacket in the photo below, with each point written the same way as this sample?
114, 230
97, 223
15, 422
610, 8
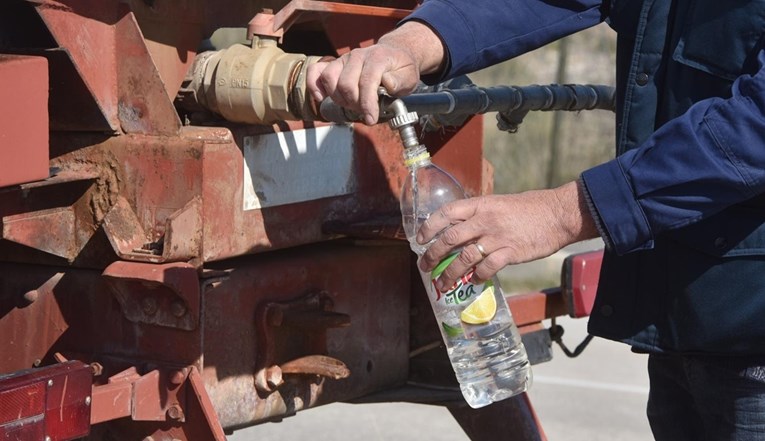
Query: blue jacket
682, 206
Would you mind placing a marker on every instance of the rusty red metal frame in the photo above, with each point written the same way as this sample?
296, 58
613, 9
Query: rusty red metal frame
23, 119
275, 25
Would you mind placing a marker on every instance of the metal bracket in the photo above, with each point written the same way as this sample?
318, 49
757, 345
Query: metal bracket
164, 295
283, 326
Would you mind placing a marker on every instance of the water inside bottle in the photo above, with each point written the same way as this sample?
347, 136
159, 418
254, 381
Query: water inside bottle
488, 358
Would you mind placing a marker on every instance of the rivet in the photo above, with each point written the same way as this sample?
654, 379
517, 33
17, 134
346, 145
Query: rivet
50, 383
178, 308
149, 305
87, 401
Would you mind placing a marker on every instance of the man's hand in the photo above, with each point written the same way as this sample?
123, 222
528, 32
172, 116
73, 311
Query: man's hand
510, 229
395, 62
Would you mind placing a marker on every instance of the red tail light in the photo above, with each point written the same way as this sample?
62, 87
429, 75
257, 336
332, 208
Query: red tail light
51, 403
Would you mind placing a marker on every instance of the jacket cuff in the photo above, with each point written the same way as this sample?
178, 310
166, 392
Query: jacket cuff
618, 216
448, 23
594, 213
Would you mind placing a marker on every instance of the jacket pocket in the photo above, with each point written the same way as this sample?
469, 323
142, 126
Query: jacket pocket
721, 37
736, 232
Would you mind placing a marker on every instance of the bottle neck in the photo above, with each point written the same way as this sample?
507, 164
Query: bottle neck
416, 157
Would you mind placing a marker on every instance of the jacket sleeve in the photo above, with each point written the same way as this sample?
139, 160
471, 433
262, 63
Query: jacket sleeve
696, 165
480, 33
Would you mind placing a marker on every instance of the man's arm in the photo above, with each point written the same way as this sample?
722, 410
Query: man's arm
442, 39
511, 229
395, 62
696, 165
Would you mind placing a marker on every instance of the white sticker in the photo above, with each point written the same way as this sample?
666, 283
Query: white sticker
302, 165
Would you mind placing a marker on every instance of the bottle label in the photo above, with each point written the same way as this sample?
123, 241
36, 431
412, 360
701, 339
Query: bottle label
462, 290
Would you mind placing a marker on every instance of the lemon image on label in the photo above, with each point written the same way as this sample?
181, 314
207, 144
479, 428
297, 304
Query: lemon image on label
482, 309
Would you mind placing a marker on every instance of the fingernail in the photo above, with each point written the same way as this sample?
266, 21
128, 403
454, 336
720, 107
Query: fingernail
368, 120
318, 97
420, 239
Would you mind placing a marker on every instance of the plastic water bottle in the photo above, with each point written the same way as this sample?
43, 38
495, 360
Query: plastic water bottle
481, 338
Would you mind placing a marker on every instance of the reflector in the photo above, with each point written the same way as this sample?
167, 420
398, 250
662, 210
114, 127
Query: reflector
47, 403
22, 402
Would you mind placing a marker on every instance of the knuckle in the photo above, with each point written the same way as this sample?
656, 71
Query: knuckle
428, 223
447, 211
450, 237
493, 264
344, 89
450, 276
466, 257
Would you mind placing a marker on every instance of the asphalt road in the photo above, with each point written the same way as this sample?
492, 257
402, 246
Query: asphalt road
600, 395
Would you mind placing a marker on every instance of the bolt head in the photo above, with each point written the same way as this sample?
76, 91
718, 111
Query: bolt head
149, 305
178, 308
175, 412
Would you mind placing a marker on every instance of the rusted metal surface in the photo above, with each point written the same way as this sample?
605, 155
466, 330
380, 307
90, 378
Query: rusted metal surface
202, 420
346, 25
279, 321
51, 231
85, 29
53, 216
227, 13
172, 31
533, 307
156, 399
368, 282
23, 119
113, 400
164, 295
75, 313
269, 24
168, 403
377, 168
202, 219
318, 365
110, 55
144, 105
